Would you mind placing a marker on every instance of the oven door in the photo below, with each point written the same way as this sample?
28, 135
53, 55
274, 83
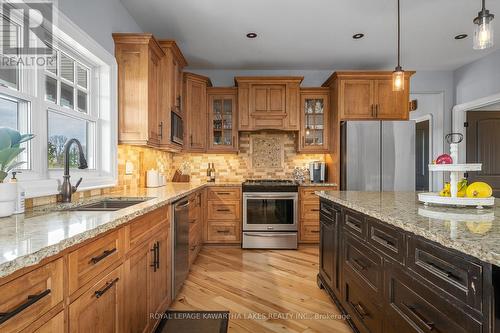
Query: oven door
270, 211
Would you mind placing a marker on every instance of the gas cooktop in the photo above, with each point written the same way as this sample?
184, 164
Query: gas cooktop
270, 185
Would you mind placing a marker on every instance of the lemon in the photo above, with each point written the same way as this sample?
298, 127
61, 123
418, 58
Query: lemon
479, 190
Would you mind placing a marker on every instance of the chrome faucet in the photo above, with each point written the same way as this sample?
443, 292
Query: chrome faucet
67, 189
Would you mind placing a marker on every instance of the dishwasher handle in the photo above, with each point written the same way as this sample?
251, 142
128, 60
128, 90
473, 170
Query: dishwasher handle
182, 205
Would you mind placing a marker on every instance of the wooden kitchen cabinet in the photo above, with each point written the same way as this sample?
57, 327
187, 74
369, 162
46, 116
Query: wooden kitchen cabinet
223, 215
222, 120
314, 120
309, 208
329, 258
369, 96
196, 114
100, 309
196, 213
268, 103
159, 277
139, 88
171, 68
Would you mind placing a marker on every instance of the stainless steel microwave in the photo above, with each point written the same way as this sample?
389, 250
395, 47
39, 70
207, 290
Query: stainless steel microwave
177, 128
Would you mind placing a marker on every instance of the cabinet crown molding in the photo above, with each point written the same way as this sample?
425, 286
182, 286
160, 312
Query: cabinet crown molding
362, 75
268, 79
197, 77
172, 45
139, 38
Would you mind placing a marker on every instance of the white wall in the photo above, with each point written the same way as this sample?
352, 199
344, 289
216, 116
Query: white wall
478, 79
100, 18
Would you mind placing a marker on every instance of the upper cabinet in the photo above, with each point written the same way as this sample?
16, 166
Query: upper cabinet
369, 96
314, 120
195, 96
138, 57
222, 120
172, 65
268, 103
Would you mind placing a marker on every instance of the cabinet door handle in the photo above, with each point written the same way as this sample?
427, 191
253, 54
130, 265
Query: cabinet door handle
191, 140
376, 110
158, 255
234, 141
161, 130
100, 292
106, 253
413, 309
32, 299
373, 110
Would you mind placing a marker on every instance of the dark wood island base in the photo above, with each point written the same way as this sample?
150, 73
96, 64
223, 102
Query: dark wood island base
388, 280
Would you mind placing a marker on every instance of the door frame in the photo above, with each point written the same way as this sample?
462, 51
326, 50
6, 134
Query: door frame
428, 117
459, 117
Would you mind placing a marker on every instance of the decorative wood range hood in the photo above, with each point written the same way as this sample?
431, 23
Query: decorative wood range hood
269, 103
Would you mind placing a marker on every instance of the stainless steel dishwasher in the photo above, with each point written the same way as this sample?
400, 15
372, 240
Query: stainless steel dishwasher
180, 244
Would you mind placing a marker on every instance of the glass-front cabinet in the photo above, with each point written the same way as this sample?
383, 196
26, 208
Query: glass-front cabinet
223, 134
314, 120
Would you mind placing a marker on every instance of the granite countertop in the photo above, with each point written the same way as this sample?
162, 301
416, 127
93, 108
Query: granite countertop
475, 232
319, 184
44, 231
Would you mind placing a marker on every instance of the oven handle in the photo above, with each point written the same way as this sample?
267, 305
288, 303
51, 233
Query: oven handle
283, 195
267, 235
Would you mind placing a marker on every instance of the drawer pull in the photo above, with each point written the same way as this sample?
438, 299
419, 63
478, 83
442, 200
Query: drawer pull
192, 248
315, 210
384, 241
359, 265
360, 310
223, 193
32, 299
353, 225
192, 221
315, 231
108, 285
442, 271
223, 210
106, 253
413, 309
223, 231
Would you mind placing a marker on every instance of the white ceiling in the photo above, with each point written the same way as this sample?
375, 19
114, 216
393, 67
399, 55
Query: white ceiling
316, 34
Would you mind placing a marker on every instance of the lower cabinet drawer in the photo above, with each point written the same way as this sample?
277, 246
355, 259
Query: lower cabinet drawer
415, 308
92, 259
223, 231
454, 274
31, 295
361, 306
309, 231
227, 210
309, 210
361, 261
354, 223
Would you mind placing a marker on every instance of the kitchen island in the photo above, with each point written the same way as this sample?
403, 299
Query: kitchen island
395, 265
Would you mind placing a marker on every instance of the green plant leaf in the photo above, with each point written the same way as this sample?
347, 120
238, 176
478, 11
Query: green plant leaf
4, 139
9, 154
13, 166
3, 175
15, 136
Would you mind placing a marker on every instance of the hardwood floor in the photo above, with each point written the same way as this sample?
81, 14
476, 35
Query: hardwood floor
264, 290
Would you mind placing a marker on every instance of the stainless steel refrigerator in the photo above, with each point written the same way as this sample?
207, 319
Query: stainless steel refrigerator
377, 156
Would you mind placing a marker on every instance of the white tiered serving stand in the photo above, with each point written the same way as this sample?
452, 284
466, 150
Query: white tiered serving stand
456, 171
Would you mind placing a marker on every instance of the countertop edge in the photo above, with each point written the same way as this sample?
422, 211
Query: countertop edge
466, 249
38, 256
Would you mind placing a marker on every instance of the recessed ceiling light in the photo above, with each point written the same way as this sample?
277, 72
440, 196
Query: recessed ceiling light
461, 36
358, 36
251, 35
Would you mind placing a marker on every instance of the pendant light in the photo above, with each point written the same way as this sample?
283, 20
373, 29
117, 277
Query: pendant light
483, 32
398, 76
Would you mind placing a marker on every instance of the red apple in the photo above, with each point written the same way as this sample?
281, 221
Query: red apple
444, 159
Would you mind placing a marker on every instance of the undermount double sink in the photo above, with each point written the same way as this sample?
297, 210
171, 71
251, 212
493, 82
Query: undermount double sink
109, 205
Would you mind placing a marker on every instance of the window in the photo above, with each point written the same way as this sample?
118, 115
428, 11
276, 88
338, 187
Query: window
66, 82
14, 114
9, 71
71, 96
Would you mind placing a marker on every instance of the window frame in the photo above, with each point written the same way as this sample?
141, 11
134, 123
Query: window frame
39, 180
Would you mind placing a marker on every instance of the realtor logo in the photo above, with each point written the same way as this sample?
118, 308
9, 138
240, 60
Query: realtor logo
26, 28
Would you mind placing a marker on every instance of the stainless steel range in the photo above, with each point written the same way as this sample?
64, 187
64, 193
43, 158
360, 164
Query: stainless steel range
270, 214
